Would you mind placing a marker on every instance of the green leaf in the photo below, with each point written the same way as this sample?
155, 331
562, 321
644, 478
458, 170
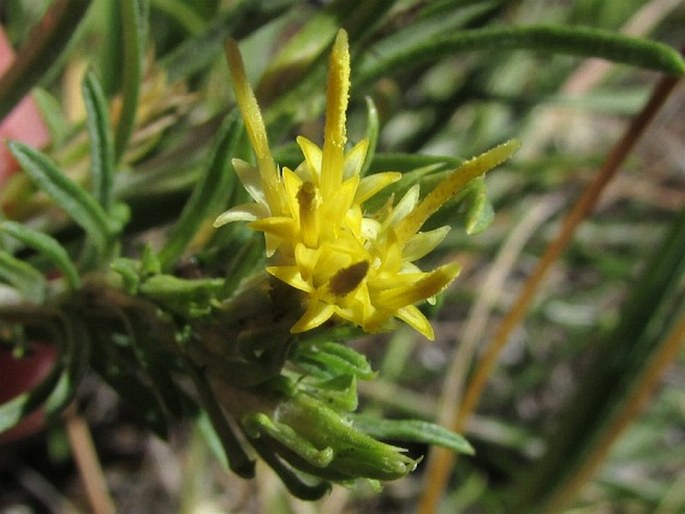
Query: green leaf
101, 140
67, 194
76, 353
27, 279
413, 430
554, 39
210, 195
311, 42
258, 424
332, 359
117, 371
52, 112
372, 131
356, 454
469, 208
182, 13
129, 270
237, 459
134, 26
339, 393
239, 21
46, 245
479, 210
186, 297
47, 41
297, 486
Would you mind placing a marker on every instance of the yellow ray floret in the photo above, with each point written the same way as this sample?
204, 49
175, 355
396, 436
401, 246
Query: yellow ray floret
347, 264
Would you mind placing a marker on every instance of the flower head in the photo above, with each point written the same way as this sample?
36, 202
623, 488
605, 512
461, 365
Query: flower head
348, 263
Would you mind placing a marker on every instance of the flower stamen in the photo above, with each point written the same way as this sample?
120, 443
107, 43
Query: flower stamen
309, 221
348, 279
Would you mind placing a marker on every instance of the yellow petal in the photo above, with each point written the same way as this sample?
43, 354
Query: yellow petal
279, 226
404, 207
355, 159
306, 259
312, 156
432, 284
413, 317
335, 207
291, 276
292, 183
244, 212
423, 243
316, 314
369, 186
250, 178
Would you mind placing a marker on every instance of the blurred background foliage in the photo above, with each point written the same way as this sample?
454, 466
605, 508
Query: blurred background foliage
448, 80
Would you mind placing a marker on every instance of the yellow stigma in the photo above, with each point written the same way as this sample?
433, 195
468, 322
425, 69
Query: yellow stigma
254, 124
454, 183
336, 108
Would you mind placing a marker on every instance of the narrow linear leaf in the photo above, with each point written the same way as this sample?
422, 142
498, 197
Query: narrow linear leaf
27, 279
182, 13
66, 193
52, 112
115, 367
134, 26
297, 71
46, 42
208, 197
372, 131
413, 430
237, 459
580, 41
335, 359
238, 21
76, 353
101, 140
297, 485
46, 245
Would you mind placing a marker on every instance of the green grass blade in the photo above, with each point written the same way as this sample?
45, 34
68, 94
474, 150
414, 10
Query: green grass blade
210, 194
46, 42
66, 193
617, 369
46, 245
134, 26
27, 279
101, 140
554, 39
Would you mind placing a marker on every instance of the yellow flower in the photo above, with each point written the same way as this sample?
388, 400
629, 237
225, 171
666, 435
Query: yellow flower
349, 264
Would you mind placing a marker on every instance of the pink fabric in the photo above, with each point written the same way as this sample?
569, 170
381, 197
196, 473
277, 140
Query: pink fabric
24, 123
